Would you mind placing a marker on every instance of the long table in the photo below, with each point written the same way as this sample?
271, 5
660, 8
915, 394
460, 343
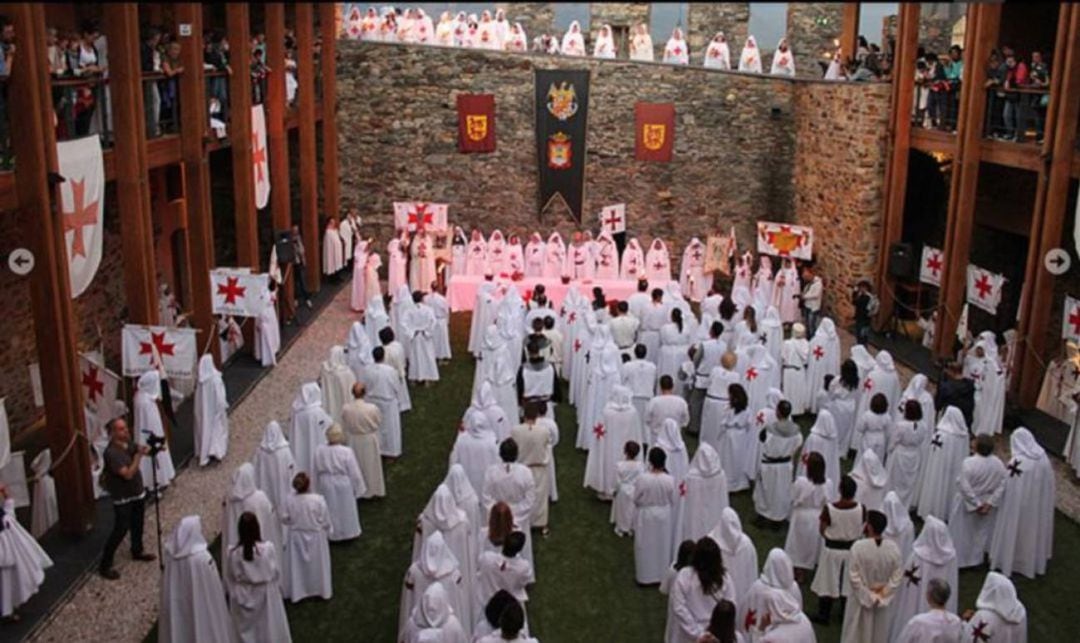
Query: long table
461, 291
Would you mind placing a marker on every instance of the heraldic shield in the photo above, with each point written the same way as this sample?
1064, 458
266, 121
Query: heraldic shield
561, 100
560, 152
476, 122
655, 131
476, 126
653, 135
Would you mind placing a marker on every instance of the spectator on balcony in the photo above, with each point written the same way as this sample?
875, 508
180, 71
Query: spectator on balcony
954, 71
217, 56
922, 90
291, 84
259, 73
150, 62
169, 88
55, 50
1039, 78
1016, 77
84, 98
995, 80
866, 71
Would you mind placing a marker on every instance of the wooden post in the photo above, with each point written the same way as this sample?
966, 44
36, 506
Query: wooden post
132, 183
238, 29
961, 215
849, 33
309, 187
196, 170
33, 141
278, 140
331, 191
896, 172
1056, 187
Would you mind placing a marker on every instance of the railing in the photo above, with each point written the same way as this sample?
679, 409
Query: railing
82, 107
936, 104
1016, 114
161, 102
7, 161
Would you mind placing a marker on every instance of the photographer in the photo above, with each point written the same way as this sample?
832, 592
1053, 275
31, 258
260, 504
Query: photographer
122, 478
864, 301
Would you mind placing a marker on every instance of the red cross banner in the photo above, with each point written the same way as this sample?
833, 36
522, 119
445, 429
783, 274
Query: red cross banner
654, 127
984, 289
785, 240
99, 386
147, 347
82, 208
613, 218
410, 215
933, 263
1070, 322
238, 293
260, 157
476, 122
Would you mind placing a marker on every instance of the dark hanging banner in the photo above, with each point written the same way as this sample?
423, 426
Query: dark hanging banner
562, 110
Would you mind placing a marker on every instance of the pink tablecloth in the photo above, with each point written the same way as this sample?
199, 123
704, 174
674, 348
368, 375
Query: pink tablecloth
462, 289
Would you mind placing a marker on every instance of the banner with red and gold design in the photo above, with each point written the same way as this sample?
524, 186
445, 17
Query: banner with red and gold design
562, 107
785, 240
654, 127
476, 122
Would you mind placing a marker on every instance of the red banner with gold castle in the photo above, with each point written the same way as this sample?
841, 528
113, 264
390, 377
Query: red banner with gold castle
476, 122
654, 127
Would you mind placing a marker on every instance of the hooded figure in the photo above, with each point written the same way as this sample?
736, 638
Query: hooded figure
823, 440
517, 40
795, 358
358, 350
678, 459
397, 254
357, 291
808, 498
738, 551
641, 44
244, 496
633, 261
555, 256
336, 380
148, 422
883, 379
604, 47
932, 556
457, 481
573, 43
658, 264
434, 619
418, 324
899, 529
760, 372
274, 466
783, 61
484, 311
476, 263
772, 331
423, 30
333, 259
306, 567
1024, 531
873, 480
444, 31
944, 459
908, 441
193, 604
443, 515
761, 284
999, 615
703, 495
308, 426
676, 51
718, 55
487, 36
618, 423
535, 256
607, 257
603, 377
338, 479
750, 60
354, 22
476, 447
692, 276
989, 379
824, 360
211, 413
777, 577
787, 622
786, 291
44, 512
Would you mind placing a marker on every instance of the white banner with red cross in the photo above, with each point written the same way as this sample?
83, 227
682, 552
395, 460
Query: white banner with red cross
240, 293
1070, 320
785, 240
147, 347
410, 215
984, 288
100, 386
260, 159
933, 263
613, 218
82, 208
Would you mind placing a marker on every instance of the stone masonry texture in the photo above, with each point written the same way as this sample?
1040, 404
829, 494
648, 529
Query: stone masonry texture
812, 29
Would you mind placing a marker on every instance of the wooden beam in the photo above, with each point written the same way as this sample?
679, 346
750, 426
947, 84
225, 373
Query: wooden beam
238, 28
132, 187
932, 140
849, 32
1055, 195
331, 189
309, 187
277, 109
34, 144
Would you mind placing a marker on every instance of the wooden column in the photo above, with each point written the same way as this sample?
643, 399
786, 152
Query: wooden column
278, 140
196, 171
849, 33
238, 30
132, 184
1055, 194
961, 214
33, 141
309, 187
896, 170
331, 190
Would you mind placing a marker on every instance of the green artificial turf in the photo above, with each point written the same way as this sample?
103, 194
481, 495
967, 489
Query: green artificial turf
585, 590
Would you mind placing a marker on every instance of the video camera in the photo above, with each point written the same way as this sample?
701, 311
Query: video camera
155, 443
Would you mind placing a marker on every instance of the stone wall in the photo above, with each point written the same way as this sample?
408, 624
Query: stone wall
536, 18
842, 135
625, 14
811, 30
704, 19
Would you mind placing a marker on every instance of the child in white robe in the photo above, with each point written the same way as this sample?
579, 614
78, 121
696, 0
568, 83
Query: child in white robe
255, 602
703, 495
341, 484
979, 489
306, 563
654, 503
809, 495
192, 600
627, 472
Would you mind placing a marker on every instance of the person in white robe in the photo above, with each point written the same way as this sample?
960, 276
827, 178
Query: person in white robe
777, 577
655, 498
809, 495
627, 471
783, 62
872, 478
580, 263
900, 528
517, 41
554, 257
396, 355
695, 592
396, 254
653, 317
476, 447
937, 624
433, 620
423, 29
823, 440
917, 390
535, 256
335, 382
737, 441
907, 441
444, 31
484, 401
274, 465
717, 403
486, 33
230, 337
675, 339
192, 600
308, 426
785, 294
422, 262
443, 515
824, 360
358, 350
989, 379
211, 413
703, 494
678, 458
382, 384
760, 372
361, 420
772, 492
739, 552
639, 375
932, 557
619, 422
333, 259
267, 329
641, 44
873, 426
980, 486
882, 378
632, 266
602, 377
842, 398
604, 46
476, 263
573, 43
750, 59
502, 28
501, 374
607, 257
148, 422
401, 303
339, 481
676, 51
44, 512
372, 286
243, 497
484, 311
658, 263
357, 290
535, 440
786, 621
419, 325
436, 301
692, 276
841, 525
876, 570
306, 567
944, 462
718, 55
795, 359
1023, 537
459, 255
999, 615
24, 561
515, 257
512, 483
435, 566
255, 602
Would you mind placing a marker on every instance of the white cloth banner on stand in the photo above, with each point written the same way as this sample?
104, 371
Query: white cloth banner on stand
146, 347
35, 384
238, 293
410, 214
613, 218
1070, 320
984, 288
785, 240
260, 158
5, 434
933, 262
13, 475
100, 386
82, 208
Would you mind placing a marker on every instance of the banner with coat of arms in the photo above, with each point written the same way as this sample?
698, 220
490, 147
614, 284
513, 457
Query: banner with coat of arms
410, 215
476, 122
785, 240
654, 126
562, 107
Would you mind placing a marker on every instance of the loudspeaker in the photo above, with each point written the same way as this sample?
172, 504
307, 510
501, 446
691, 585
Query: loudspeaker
284, 247
902, 261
